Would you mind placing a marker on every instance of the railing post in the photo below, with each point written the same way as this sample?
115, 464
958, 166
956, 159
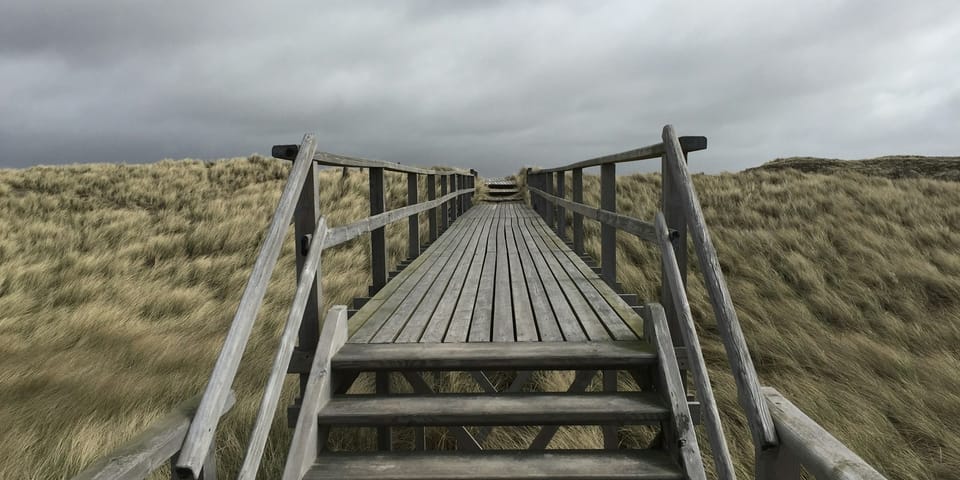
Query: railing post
304, 224
561, 212
444, 216
413, 223
608, 233
458, 200
432, 213
578, 218
378, 238
672, 207
548, 188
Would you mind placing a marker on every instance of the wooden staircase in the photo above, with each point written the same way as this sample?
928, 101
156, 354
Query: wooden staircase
659, 403
502, 190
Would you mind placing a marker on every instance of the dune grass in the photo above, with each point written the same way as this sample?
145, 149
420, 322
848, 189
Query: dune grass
117, 284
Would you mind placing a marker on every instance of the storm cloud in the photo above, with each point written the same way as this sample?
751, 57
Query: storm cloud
488, 85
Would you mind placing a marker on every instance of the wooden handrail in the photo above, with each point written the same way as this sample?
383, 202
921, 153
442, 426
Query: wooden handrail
348, 232
748, 386
319, 389
204, 424
271, 392
690, 144
708, 404
644, 230
805, 443
289, 152
146, 452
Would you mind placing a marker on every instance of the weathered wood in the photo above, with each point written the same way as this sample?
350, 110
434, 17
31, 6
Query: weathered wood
204, 424
523, 317
494, 356
432, 214
444, 215
672, 208
617, 317
289, 152
458, 329
495, 409
305, 224
608, 234
465, 440
503, 323
546, 318
378, 236
481, 324
643, 230
384, 434
271, 392
497, 465
690, 144
581, 381
561, 212
577, 216
673, 282
681, 438
820, 453
413, 223
610, 438
351, 231
304, 445
146, 452
748, 386
550, 216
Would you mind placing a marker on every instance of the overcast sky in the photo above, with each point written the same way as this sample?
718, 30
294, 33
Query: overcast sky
491, 85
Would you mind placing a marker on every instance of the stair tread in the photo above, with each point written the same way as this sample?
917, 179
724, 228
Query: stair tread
492, 356
495, 409
496, 465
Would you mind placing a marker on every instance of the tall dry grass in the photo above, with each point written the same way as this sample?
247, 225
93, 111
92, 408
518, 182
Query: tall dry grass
117, 284
848, 290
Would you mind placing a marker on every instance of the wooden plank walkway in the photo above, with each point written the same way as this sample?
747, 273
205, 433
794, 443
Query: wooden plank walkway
498, 274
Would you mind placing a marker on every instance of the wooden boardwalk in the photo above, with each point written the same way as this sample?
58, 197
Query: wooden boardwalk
499, 289
498, 274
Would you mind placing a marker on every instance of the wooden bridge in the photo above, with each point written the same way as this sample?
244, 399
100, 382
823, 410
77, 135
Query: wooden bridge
498, 288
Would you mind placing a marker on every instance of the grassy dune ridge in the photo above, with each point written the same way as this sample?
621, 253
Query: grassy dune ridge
117, 285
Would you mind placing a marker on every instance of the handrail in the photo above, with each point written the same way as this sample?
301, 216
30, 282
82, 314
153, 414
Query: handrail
289, 152
204, 424
805, 443
348, 232
271, 392
708, 404
644, 230
689, 144
748, 386
146, 452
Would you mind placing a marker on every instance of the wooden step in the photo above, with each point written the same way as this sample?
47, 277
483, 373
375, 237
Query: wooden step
630, 408
494, 356
496, 465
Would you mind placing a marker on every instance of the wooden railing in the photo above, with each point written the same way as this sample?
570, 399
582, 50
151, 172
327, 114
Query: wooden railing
192, 429
681, 214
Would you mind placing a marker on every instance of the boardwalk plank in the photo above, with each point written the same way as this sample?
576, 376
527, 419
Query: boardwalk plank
469, 300
502, 297
431, 300
526, 327
458, 286
398, 319
482, 320
546, 319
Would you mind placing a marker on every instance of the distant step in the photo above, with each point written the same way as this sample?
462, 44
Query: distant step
494, 356
631, 408
496, 465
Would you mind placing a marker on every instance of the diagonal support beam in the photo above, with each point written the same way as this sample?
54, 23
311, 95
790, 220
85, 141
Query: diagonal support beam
464, 439
579, 385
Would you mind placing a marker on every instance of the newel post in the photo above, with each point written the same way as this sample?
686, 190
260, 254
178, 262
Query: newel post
413, 222
378, 238
608, 233
578, 218
304, 224
673, 213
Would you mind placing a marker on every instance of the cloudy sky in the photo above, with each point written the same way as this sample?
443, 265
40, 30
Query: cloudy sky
492, 85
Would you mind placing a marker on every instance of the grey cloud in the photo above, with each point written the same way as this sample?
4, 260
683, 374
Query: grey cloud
491, 84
